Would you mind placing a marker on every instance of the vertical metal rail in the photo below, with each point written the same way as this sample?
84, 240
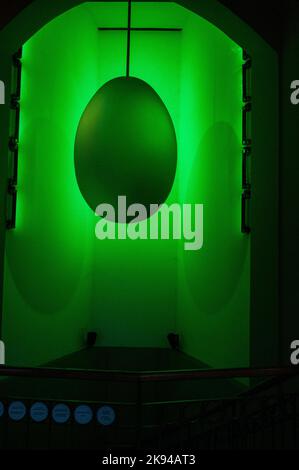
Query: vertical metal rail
246, 141
13, 144
294, 422
129, 38
139, 412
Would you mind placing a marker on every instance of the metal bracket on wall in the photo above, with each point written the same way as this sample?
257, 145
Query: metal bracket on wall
246, 141
246, 167
13, 144
245, 209
246, 77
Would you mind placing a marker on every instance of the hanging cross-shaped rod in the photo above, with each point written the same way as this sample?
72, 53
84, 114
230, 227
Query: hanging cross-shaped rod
129, 29
141, 29
167, 30
129, 37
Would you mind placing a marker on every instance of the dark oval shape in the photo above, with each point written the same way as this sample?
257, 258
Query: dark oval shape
125, 146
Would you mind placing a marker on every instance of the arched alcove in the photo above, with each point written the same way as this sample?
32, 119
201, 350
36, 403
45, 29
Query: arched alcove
170, 291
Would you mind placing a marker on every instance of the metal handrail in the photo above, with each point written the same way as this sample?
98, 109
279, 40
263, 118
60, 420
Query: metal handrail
147, 376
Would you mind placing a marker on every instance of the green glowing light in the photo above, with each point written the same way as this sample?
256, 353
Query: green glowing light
59, 278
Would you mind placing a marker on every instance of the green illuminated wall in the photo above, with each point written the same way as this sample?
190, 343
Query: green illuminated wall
214, 282
59, 279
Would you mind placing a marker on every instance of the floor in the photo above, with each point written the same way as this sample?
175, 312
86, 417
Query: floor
128, 359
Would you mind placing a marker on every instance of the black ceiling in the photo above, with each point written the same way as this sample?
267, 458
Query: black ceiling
264, 16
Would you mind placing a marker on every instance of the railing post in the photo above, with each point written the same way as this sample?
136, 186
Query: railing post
139, 413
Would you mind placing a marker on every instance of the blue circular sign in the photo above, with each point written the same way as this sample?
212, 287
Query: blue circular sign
1, 409
61, 413
39, 412
83, 414
106, 415
16, 410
